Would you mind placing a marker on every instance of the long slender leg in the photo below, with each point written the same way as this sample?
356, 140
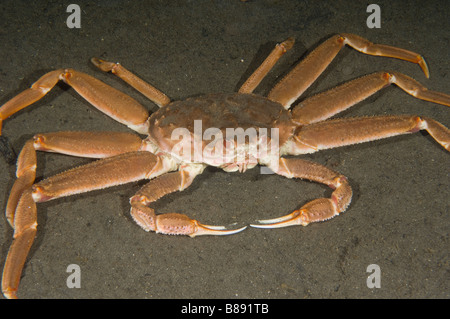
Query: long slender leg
308, 70
347, 131
259, 74
21, 207
171, 223
105, 98
316, 210
106, 172
24, 234
29, 96
149, 91
81, 144
326, 104
26, 174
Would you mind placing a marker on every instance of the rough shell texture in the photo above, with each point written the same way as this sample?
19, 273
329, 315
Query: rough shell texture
219, 112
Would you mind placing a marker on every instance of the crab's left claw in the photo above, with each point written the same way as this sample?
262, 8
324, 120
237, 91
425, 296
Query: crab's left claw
175, 224
213, 230
180, 224
297, 217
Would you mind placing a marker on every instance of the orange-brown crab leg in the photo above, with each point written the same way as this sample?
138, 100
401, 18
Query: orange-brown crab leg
106, 172
316, 210
110, 101
335, 133
21, 208
253, 81
324, 105
149, 91
24, 233
347, 131
81, 144
171, 223
308, 70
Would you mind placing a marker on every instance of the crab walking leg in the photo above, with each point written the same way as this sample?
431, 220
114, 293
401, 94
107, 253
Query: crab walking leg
81, 144
29, 96
105, 98
253, 81
316, 210
106, 172
171, 223
26, 174
308, 70
24, 233
324, 105
149, 91
347, 131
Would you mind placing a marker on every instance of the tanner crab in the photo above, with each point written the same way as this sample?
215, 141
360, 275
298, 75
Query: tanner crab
171, 163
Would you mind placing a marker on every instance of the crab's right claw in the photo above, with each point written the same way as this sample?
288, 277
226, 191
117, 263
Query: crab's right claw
298, 217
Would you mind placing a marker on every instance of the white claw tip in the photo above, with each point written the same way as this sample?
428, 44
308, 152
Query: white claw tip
215, 230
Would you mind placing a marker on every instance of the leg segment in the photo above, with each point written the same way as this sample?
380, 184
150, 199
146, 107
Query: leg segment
29, 96
308, 70
105, 98
171, 223
88, 144
149, 91
324, 105
347, 131
107, 172
24, 233
319, 209
257, 76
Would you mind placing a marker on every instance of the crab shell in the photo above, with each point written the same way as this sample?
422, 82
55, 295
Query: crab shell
234, 131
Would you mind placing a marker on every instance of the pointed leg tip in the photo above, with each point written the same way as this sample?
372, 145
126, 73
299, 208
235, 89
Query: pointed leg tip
105, 66
423, 65
10, 294
288, 43
96, 61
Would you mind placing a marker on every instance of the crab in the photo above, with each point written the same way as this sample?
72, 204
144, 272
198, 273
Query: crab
179, 144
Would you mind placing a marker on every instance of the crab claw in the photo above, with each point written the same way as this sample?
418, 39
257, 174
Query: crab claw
174, 223
319, 209
297, 217
214, 230
179, 224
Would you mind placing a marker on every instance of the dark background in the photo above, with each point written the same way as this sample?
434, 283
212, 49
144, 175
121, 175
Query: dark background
398, 218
